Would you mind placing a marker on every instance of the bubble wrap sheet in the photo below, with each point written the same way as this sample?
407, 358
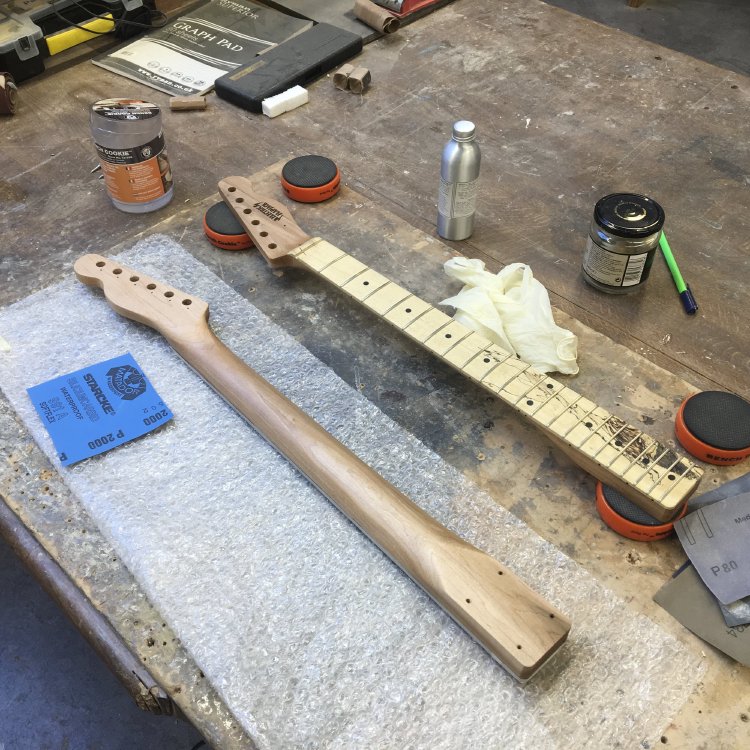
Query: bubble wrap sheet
312, 636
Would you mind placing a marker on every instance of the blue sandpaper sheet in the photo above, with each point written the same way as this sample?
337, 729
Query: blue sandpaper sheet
98, 407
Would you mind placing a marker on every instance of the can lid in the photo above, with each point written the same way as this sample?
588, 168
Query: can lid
463, 130
629, 215
125, 109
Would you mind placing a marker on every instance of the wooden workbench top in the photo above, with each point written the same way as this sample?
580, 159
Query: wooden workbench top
566, 112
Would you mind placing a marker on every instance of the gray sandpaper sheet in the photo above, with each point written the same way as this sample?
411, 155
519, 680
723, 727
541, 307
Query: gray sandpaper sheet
312, 636
688, 600
728, 489
716, 538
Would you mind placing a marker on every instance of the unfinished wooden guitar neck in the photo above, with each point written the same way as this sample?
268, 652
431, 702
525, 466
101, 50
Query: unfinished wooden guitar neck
652, 475
519, 628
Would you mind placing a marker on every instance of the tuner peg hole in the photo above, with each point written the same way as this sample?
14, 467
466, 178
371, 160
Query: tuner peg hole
169, 294
150, 286
271, 245
187, 302
100, 264
239, 200
247, 210
255, 222
117, 271
231, 189
134, 278
264, 234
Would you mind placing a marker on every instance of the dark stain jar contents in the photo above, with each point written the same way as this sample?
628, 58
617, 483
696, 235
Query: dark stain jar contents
622, 241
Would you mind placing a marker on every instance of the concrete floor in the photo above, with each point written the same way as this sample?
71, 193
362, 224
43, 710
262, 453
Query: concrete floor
54, 692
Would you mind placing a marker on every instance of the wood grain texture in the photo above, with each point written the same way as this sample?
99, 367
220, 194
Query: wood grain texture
516, 626
651, 474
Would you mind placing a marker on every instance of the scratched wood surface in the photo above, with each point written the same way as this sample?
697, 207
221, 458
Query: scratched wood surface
566, 111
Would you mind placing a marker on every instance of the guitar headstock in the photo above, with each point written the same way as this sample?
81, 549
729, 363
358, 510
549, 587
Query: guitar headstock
268, 222
176, 315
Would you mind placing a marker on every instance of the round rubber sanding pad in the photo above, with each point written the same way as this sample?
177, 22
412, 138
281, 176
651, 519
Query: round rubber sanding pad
714, 426
627, 519
310, 179
223, 230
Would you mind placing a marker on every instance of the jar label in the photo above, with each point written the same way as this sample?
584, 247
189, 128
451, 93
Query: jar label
457, 199
136, 175
614, 269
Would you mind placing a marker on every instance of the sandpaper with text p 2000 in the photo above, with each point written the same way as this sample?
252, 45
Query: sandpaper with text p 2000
716, 538
296, 62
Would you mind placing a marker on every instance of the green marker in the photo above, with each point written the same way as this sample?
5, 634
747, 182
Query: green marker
688, 301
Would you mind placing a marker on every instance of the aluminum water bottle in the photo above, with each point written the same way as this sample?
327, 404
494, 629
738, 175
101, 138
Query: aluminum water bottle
459, 178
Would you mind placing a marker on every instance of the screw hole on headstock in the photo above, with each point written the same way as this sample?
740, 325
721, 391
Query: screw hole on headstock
231, 189
134, 278
187, 302
150, 286
100, 264
117, 271
169, 294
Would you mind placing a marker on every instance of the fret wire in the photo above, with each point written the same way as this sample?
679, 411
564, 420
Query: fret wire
338, 257
450, 349
650, 466
351, 278
377, 289
609, 441
417, 317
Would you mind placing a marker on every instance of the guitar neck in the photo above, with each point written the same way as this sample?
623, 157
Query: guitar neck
517, 626
650, 474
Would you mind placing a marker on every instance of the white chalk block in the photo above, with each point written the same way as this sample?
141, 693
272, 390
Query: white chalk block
286, 100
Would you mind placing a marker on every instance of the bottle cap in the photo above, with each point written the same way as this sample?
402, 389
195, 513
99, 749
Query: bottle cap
463, 130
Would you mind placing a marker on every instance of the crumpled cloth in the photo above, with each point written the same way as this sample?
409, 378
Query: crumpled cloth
512, 309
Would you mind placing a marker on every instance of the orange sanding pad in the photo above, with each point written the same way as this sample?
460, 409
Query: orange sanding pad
310, 179
627, 519
714, 426
223, 230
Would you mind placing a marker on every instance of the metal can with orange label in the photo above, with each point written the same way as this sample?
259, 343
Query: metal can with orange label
129, 141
